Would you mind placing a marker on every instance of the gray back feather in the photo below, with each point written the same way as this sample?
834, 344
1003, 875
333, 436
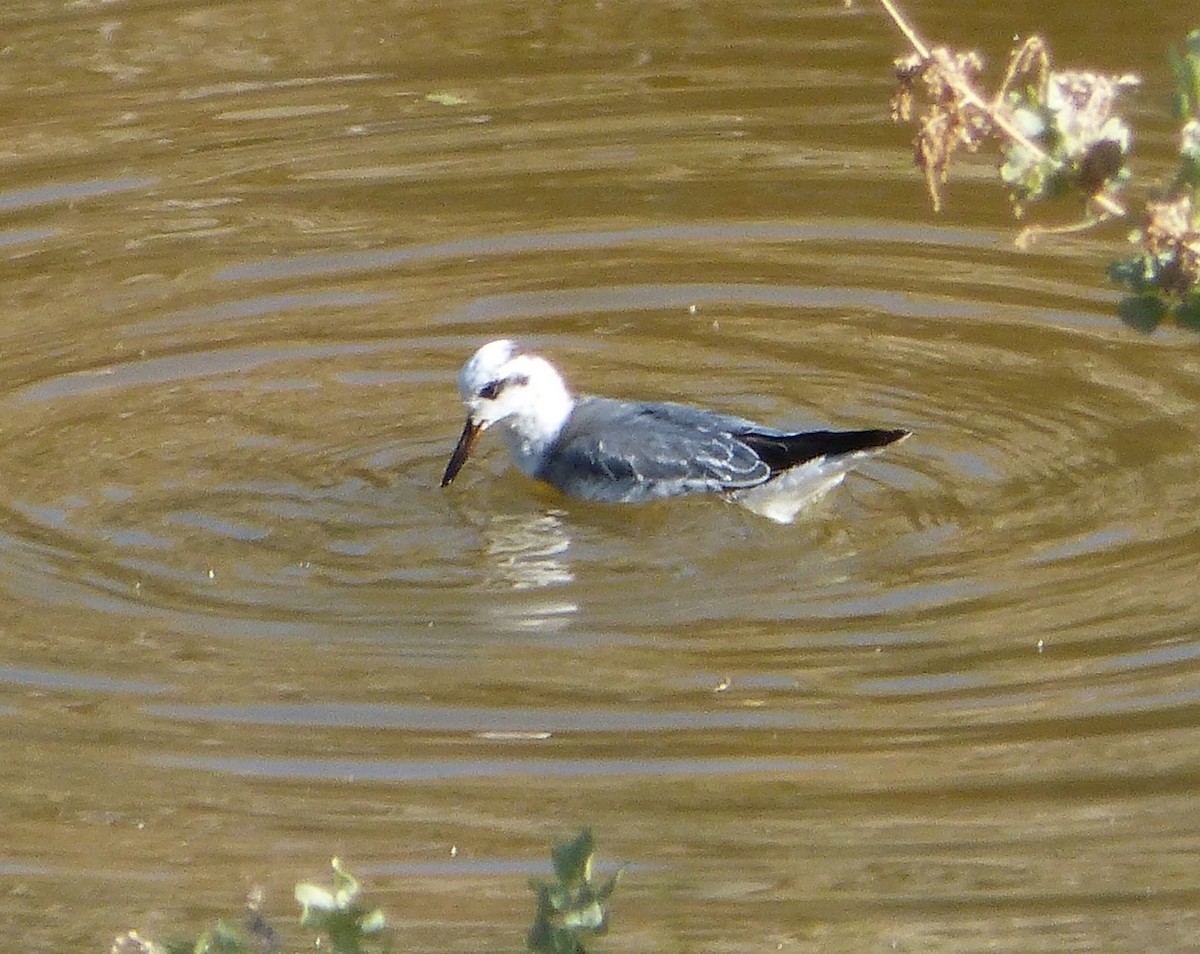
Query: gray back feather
618, 451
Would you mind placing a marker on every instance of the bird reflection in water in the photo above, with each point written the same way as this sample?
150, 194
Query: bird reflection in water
527, 552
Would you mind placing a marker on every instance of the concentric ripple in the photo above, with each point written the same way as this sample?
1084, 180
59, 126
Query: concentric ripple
286, 484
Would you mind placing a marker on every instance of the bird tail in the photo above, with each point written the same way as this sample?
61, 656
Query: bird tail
784, 451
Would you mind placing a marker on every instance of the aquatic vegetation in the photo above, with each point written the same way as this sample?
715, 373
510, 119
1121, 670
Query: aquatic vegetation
1057, 129
569, 909
339, 914
1165, 274
1059, 135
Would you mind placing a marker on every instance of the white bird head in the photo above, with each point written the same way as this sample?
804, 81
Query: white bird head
501, 384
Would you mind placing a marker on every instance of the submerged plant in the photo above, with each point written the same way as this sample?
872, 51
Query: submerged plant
571, 907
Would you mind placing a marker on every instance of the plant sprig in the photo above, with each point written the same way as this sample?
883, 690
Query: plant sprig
1059, 134
571, 907
1057, 129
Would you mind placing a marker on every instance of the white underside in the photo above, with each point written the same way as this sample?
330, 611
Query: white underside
783, 497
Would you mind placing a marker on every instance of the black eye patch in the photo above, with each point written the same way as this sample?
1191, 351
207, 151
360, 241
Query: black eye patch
491, 390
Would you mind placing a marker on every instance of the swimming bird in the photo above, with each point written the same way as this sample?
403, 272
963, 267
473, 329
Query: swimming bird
602, 449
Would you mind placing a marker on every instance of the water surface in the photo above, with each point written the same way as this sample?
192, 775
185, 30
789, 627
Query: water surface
246, 248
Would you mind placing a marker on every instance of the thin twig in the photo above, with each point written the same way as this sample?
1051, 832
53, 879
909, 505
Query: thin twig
1028, 235
903, 25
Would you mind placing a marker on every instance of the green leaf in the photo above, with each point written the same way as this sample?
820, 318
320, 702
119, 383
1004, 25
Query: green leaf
607, 888
588, 917
372, 923
1142, 312
571, 907
345, 885
573, 859
1187, 312
314, 897
1138, 274
1186, 67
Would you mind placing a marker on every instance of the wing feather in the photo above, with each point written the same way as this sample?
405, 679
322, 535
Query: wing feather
618, 451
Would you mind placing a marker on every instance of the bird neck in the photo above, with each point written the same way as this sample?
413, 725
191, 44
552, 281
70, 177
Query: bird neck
530, 436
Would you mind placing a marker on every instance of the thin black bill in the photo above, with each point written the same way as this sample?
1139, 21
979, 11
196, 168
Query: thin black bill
462, 450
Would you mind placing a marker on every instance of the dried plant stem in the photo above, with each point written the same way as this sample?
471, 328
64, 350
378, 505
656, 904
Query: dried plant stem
1028, 235
993, 110
904, 27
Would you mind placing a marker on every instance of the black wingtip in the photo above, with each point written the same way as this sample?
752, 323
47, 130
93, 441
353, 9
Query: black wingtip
884, 436
832, 443
782, 453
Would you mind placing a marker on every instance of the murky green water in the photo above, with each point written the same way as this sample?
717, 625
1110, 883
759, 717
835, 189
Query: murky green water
245, 249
